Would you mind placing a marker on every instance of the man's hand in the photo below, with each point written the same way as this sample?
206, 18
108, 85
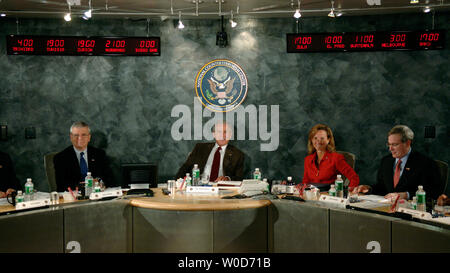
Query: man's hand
222, 178
361, 189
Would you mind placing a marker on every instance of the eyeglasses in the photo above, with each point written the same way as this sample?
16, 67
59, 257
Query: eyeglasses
82, 135
393, 145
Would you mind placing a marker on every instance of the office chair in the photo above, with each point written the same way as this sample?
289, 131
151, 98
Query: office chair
443, 170
50, 170
350, 159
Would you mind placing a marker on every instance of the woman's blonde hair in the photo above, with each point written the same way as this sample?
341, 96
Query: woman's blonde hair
330, 147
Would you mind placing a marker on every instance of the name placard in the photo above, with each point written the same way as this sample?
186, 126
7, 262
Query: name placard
202, 190
100, 195
341, 202
33, 204
416, 213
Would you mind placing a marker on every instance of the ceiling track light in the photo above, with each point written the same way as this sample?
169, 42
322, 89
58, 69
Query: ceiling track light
331, 14
88, 14
426, 9
414, 2
297, 13
180, 24
68, 16
232, 22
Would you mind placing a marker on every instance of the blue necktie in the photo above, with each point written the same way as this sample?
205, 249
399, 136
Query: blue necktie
83, 166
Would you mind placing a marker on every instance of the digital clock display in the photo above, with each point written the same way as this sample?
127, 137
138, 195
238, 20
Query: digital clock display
365, 41
83, 46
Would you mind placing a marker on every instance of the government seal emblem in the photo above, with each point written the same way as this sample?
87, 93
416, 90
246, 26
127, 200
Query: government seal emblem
221, 85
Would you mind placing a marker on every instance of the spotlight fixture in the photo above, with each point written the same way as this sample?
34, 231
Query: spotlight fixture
68, 16
222, 37
414, 2
426, 9
232, 22
2, 15
297, 13
180, 24
88, 14
331, 14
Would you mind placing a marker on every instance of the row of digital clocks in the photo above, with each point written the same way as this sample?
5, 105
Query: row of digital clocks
296, 43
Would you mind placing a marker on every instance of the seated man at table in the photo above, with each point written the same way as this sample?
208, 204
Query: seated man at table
73, 163
404, 170
8, 179
220, 160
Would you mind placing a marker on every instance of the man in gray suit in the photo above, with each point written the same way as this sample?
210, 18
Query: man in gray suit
220, 160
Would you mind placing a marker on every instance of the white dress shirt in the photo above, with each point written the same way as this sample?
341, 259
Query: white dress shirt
208, 166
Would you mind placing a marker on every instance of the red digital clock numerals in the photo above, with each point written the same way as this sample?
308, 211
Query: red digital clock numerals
429, 39
55, 45
23, 45
85, 45
115, 46
395, 40
146, 46
332, 42
362, 41
302, 42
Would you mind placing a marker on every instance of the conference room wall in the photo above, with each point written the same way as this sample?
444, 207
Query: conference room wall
128, 100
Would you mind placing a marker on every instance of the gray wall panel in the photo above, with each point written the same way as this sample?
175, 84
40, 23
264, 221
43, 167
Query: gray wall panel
299, 227
99, 227
411, 237
39, 231
240, 230
172, 231
359, 232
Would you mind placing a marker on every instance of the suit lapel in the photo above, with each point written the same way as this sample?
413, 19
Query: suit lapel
390, 175
204, 155
227, 159
409, 166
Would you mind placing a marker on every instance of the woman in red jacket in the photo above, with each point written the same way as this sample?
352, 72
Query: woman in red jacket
323, 164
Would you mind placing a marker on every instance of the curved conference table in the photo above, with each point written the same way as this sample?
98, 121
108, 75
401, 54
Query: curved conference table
208, 224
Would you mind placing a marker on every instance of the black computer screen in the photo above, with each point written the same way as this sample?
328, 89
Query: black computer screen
140, 173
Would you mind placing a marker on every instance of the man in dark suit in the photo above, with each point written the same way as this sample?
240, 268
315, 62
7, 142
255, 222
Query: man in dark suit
220, 160
404, 170
8, 179
73, 163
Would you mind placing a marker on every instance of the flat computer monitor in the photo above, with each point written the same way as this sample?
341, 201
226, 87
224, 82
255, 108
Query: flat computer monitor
140, 173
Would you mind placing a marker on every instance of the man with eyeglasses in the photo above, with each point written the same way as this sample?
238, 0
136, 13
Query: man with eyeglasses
73, 163
404, 169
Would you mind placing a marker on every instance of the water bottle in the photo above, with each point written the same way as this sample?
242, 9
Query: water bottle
29, 188
19, 197
188, 180
268, 186
89, 180
414, 203
289, 186
257, 174
332, 191
195, 175
420, 194
97, 187
339, 184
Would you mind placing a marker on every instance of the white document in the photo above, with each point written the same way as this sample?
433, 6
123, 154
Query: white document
374, 198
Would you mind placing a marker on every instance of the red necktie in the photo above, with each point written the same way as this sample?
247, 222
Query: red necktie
397, 173
215, 166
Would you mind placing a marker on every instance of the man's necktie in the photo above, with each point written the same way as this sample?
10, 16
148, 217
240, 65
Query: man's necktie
83, 166
397, 173
215, 166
